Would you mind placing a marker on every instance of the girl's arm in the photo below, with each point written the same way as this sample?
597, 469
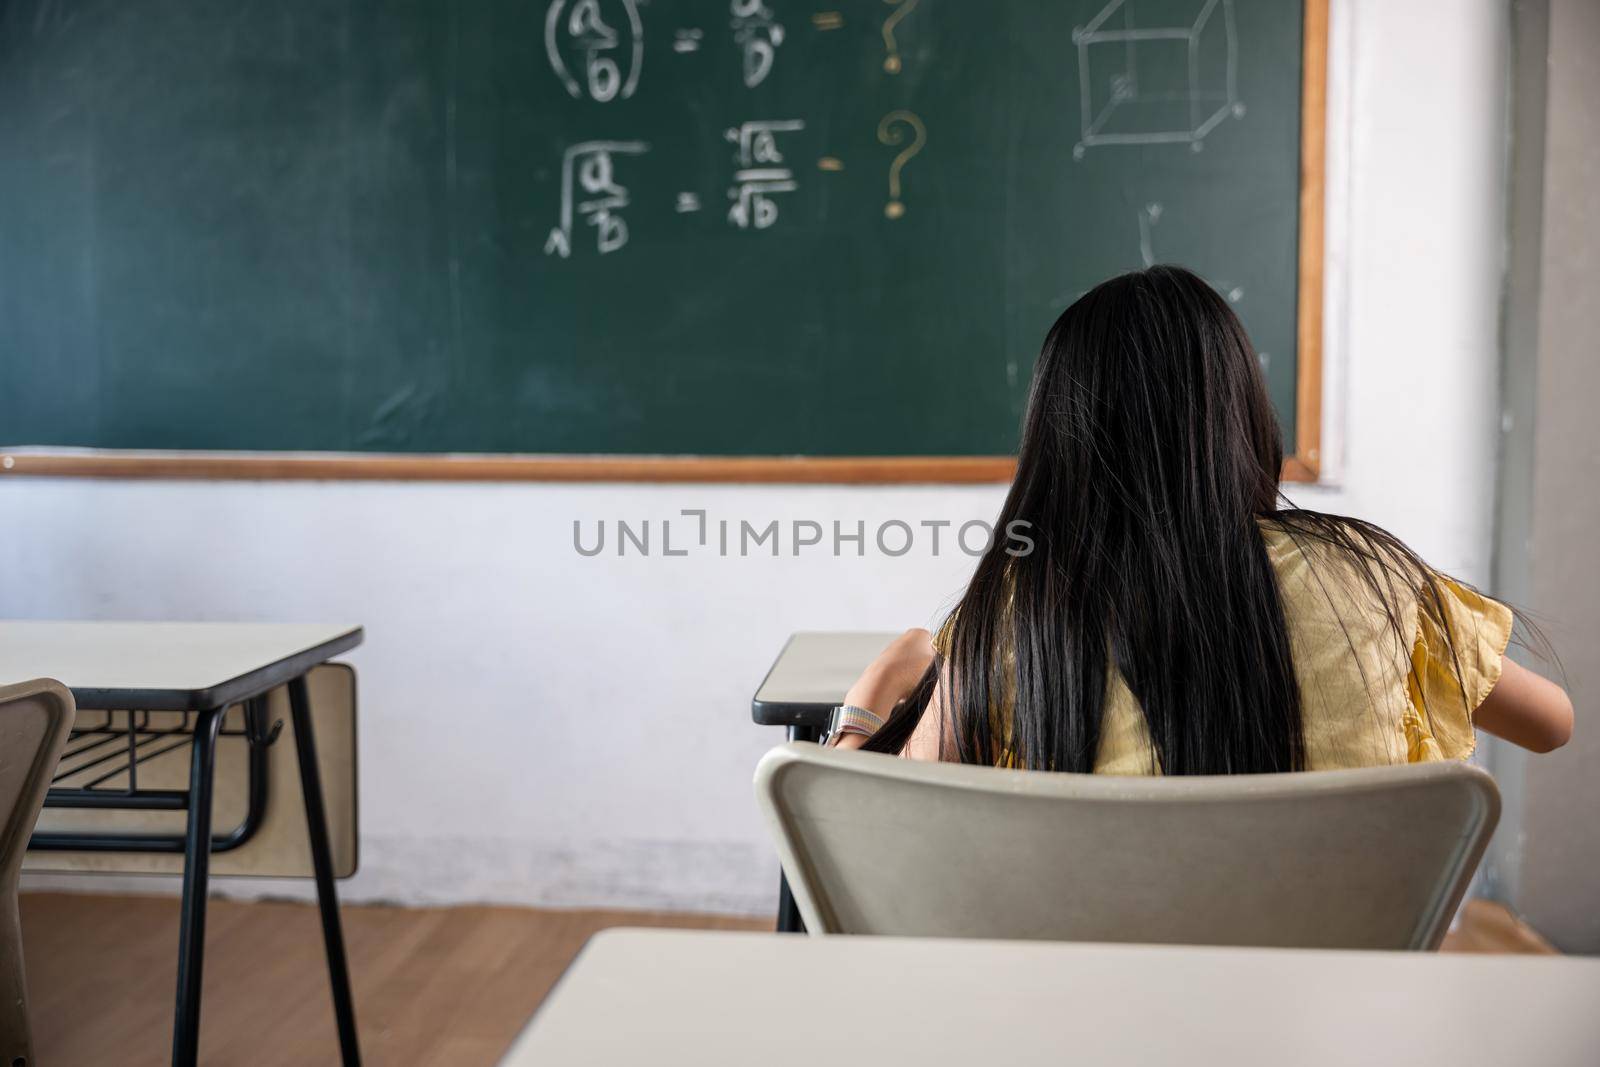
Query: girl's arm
888, 679
1526, 709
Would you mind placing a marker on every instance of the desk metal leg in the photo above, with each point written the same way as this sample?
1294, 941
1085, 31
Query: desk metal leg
196, 872
322, 865
789, 921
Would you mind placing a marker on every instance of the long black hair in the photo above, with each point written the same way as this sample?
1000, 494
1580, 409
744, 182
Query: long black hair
1150, 455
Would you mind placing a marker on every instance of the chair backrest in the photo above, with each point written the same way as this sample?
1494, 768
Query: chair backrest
1374, 858
35, 718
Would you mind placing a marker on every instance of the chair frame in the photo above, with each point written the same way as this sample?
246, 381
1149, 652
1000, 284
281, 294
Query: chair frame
16, 1036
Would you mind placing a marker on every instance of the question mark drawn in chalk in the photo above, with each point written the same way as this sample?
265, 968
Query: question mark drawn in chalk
890, 132
891, 62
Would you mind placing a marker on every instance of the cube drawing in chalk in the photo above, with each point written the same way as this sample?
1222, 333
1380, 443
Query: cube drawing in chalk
1156, 72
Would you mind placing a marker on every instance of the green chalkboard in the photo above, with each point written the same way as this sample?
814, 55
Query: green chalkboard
720, 227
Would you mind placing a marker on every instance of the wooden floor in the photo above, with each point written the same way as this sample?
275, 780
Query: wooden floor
449, 986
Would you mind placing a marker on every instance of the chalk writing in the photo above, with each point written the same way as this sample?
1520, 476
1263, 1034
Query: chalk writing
1151, 214
761, 174
891, 47
598, 198
1119, 105
891, 131
758, 34
577, 33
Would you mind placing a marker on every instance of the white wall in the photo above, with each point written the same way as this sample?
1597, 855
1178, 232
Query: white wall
543, 727
1417, 153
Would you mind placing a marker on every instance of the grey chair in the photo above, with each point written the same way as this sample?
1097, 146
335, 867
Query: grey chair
35, 718
1376, 858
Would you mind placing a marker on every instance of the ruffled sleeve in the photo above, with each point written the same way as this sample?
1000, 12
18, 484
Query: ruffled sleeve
1447, 685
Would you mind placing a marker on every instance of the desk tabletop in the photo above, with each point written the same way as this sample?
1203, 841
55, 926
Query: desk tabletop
167, 666
812, 674
711, 998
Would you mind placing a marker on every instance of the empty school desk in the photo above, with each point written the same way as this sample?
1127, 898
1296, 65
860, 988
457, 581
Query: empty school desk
810, 676
714, 998
199, 670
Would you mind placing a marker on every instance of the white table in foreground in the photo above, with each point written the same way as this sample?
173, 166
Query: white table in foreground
715, 998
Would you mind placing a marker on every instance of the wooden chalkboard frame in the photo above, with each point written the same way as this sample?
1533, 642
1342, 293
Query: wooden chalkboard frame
1303, 464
